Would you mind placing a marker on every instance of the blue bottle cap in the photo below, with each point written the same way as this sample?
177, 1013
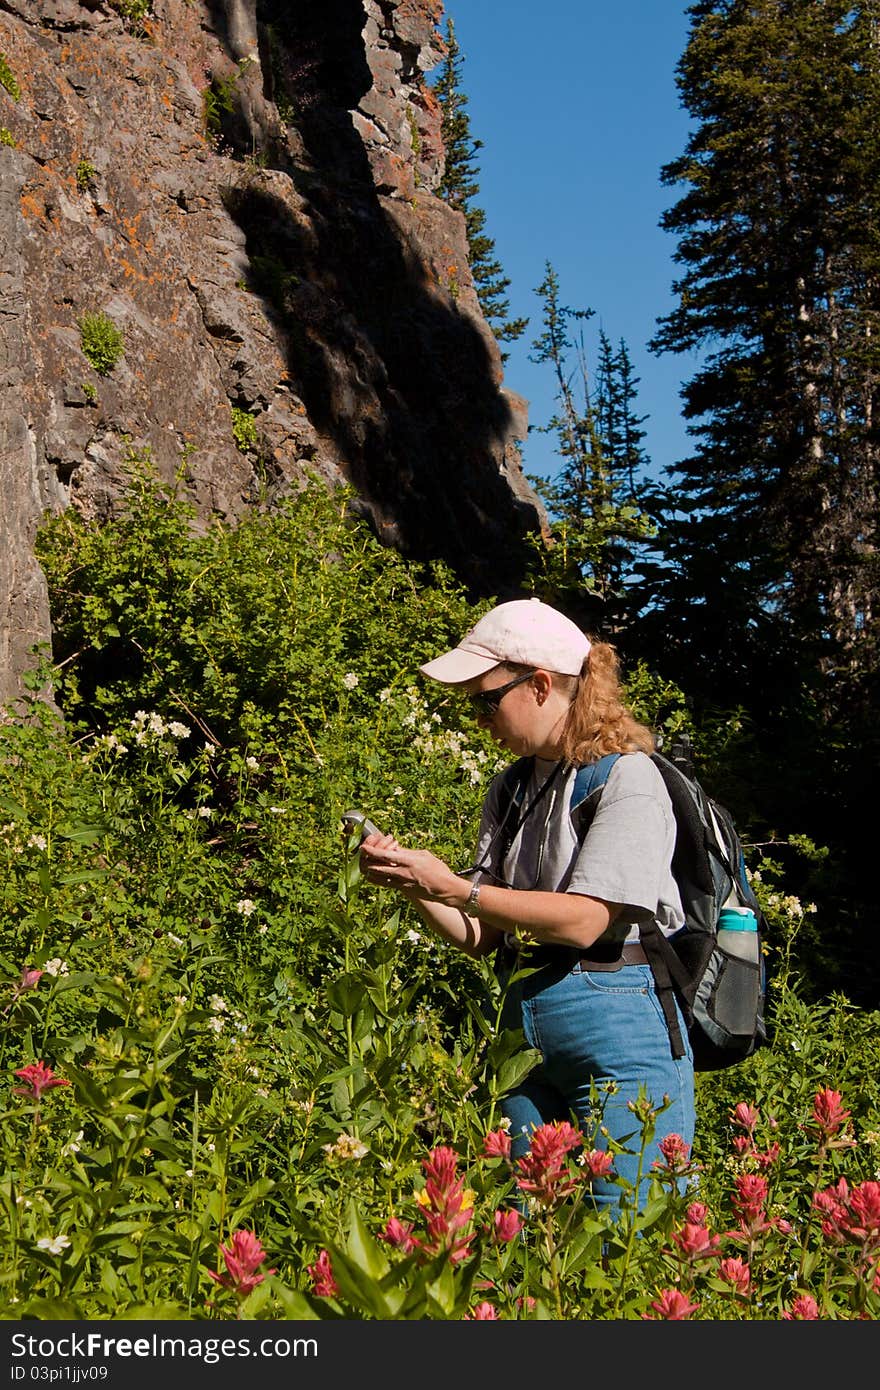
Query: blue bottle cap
737, 919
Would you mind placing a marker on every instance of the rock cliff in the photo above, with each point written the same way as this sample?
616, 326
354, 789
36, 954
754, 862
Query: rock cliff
221, 248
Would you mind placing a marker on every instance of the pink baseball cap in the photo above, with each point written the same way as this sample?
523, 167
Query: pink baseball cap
525, 632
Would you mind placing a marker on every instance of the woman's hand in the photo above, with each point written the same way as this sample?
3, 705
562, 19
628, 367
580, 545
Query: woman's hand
416, 872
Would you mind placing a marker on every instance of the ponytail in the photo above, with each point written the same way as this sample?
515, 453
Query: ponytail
598, 721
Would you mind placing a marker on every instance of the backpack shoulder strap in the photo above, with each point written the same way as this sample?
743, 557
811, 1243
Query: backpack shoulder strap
591, 778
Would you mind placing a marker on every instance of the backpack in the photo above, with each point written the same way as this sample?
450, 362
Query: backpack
721, 996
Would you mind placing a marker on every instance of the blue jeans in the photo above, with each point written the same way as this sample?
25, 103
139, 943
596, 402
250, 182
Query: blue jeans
595, 1028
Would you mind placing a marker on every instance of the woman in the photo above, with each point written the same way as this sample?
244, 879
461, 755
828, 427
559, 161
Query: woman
589, 1002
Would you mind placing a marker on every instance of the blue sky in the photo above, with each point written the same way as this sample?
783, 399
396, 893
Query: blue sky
576, 104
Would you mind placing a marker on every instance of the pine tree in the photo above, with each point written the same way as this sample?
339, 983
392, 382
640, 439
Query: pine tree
593, 501
459, 187
775, 536
767, 595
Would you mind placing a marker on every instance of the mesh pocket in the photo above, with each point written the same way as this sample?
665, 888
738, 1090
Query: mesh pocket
727, 1004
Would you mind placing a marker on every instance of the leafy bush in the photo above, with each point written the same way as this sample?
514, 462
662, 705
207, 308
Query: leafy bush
217, 1045
101, 341
244, 429
8, 79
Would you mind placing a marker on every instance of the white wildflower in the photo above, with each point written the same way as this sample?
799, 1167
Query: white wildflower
252, 763
206, 812
413, 936
175, 940
56, 967
346, 1147
218, 1024
73, 1145
178, 730
277, 810
262, 929
218, 1004
53, 1244
245, 906
37, 841
157, 724
350, 680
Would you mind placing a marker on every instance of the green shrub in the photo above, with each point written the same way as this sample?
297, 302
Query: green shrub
252, 1041
244, 429
8, 79
101, 341
7, 137
133, 12
85, 174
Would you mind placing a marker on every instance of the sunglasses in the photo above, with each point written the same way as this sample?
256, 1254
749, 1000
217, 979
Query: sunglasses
486, 702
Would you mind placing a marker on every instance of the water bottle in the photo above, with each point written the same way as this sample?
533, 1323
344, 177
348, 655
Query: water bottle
738, 932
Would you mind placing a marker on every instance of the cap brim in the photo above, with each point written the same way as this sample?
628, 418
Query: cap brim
458, 666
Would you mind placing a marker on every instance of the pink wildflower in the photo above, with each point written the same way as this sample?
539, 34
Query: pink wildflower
768, 1157
828, 1113
743, 1143
751, 1194
444, 1206
865, 1204
736, 1273
671, 1306
543, 1170
695, 1243
37, 1078
675, 1153
508, 1225
30, 978
598, 1163
497, 1144
399, 1234
242, 1257
804, 1309
746, 1116
696, 1213
483, 1312
851, 1216
321, 1272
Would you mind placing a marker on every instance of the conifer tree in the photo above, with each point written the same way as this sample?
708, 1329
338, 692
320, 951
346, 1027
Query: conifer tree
774, 545
460, 186
593, 501
767, 594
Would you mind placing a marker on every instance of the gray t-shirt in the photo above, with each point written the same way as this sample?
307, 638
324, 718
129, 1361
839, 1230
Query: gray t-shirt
625, 857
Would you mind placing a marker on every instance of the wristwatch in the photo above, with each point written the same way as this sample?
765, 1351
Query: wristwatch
472, 901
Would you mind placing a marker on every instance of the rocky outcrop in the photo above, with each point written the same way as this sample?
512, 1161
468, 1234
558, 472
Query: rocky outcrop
244, 190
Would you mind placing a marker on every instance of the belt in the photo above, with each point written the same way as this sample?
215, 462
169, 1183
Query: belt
610, 957
632, 954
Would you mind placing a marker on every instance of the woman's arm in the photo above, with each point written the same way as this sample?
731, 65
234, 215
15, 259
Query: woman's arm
439, 894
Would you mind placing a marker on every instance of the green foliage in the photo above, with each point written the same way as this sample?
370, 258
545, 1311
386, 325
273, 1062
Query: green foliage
255, 1041
244, 429
8, 79
101, 341
218, 100
597, 521
90, 392
85, 174
7, 137
459, 186
133, 12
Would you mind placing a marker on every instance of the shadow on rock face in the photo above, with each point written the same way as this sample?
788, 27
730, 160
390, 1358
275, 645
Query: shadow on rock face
400, 384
